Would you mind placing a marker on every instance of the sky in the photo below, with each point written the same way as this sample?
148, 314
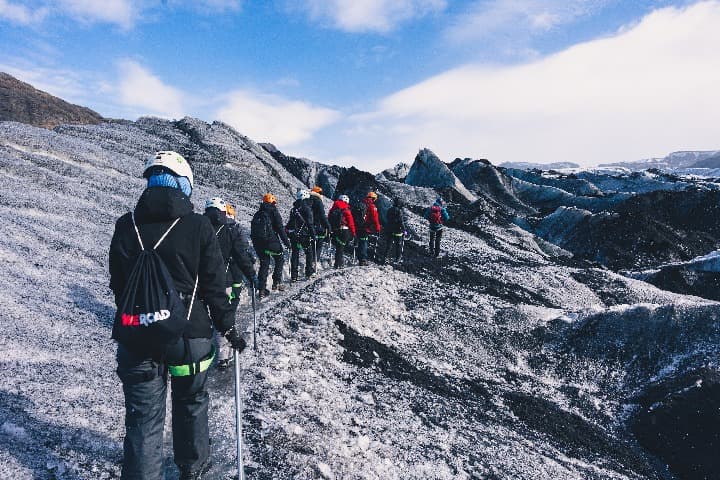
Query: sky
370, 82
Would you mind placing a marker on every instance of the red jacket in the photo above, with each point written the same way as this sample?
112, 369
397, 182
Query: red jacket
372, 219
347, 218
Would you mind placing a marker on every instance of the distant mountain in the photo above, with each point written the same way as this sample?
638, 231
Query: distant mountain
308, 172
683, 159
709, 162
21, 102
539, 166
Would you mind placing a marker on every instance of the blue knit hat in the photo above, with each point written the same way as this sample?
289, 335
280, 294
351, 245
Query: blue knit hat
165, 179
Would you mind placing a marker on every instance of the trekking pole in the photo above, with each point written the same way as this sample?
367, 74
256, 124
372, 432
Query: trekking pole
254, 320
238, 417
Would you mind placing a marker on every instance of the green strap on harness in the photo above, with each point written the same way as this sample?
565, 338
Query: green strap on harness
397, 234
270, 253
192, 368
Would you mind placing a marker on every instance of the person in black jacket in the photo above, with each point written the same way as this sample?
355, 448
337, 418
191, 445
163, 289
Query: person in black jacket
393, 233
322, 226
267, 233
301, 230
239, 263
191, 254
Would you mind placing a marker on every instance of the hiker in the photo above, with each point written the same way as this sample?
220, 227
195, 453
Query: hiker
301, 231
322, 227
368, 225
239, 263
185, 246
436, 214
394, 232
342, 228
267, 233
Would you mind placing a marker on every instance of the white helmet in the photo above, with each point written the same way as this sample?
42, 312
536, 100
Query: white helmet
302, 194
344, 198
173, 161
216, 202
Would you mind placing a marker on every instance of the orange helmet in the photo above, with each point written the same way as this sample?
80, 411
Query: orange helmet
269, 198
372, 195
230, 210
317, 189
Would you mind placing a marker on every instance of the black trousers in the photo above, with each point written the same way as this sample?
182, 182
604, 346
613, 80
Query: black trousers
145, 387
392, 243
308, 247
435, 237
341, 239
264, 269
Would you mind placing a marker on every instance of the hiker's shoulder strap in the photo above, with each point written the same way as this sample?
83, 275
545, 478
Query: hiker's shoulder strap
137, 232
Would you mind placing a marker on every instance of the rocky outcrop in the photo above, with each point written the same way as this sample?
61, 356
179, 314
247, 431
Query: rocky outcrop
308, 172
483, 179
396, 174
21, 102
428, 171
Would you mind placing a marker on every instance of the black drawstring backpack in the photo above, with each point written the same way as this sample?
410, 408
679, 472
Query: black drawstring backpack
151, 316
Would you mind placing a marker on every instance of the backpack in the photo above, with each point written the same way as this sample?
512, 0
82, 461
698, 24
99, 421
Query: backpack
335, 218
261, 230
359, 212
150, 315
394, 216
435, 216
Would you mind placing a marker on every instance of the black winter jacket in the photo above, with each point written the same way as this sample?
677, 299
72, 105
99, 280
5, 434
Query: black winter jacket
319, 217
190, 249
300, 225
235, 248
274, 244
395, 220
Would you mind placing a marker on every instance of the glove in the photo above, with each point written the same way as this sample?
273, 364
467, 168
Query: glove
230, 294
235, 339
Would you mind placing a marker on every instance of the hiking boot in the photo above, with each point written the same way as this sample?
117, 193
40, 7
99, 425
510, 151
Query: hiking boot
263, 293
279, 287
363, 263
292, 280
195, 474
224, 364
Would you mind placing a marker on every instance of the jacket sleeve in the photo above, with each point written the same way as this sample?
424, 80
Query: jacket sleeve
403, 220
349, 220
211, 279
445, 215
375, 218
278, 227
426, 213
240, 252
320, 217
118, 257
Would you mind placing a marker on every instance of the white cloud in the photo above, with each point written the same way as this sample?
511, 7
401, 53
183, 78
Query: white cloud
21, 14
648, 90
368, 15
123, 13
139, 88
270, 118
485, 19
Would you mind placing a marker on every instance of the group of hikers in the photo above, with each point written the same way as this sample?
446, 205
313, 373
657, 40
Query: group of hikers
172, 298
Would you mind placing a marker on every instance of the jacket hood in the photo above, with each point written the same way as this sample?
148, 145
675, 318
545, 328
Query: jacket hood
316, 194
340, 204
217, 217
160, 204
368, 201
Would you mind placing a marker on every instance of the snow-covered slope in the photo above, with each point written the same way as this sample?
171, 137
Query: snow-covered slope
500, 360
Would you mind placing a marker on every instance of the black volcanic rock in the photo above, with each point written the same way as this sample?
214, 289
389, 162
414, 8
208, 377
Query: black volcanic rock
679, 421
308, 172
482, 178
21, 102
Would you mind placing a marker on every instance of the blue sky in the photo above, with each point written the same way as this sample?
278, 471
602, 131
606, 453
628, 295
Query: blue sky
370, 82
